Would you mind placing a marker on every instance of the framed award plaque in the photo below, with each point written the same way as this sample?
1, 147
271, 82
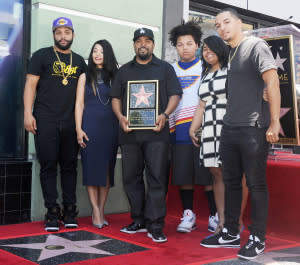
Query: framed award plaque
142, 104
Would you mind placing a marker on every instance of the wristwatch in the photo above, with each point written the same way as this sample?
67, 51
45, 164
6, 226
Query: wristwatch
166, 115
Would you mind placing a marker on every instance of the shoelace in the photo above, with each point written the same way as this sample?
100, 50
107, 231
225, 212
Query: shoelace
249, 243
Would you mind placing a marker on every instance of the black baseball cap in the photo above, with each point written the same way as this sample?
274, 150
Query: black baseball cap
143, 32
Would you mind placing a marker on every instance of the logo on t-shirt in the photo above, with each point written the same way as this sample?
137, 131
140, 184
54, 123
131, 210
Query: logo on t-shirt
187, 81
59, 68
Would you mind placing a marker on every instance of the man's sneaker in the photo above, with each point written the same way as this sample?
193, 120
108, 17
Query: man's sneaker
133, 228
157, 235
221, 240
188, 222
253, 248
69, 216
213, 222
52, 218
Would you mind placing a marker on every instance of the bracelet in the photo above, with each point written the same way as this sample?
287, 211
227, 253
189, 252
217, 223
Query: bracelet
166, 115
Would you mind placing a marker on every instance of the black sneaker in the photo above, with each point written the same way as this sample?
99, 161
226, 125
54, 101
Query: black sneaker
221, 240
133, 228
52, 218
157, 235
69, 216
253, 248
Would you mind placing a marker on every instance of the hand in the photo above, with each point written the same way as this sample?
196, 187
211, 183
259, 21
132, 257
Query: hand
30, 123
273, 132
194, 139
160, 123
81, 137
124, 124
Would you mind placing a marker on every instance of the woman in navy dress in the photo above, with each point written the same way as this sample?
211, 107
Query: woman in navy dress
97, 127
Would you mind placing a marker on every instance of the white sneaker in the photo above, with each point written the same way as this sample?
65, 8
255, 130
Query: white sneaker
213, 222
188, 222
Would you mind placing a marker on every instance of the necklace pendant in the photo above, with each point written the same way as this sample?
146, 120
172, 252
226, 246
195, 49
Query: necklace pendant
65, 81
228, 66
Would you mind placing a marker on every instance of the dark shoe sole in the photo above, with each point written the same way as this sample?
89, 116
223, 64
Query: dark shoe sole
133, 232
157, 240
248, 258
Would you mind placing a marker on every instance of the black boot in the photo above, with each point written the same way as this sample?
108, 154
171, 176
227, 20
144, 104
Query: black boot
52, 219
69, 216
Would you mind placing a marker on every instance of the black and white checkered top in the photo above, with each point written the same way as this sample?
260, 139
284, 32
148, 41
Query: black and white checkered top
213, 91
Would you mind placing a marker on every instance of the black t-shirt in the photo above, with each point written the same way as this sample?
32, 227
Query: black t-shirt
55, 101
168, 86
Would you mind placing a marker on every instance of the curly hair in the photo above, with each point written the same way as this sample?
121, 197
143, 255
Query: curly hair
191, 27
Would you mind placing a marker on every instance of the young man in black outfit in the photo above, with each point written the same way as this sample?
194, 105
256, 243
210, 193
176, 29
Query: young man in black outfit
146, 149
51, 86
250, 123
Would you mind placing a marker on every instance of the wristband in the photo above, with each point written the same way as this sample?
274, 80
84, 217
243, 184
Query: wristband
166, 115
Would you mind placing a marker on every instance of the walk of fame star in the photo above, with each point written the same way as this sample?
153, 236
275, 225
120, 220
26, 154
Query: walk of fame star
279, 62
56, 245
66, 247
142, 97
283, 111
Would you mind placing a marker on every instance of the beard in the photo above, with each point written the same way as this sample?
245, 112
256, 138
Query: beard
66, 47
144, 56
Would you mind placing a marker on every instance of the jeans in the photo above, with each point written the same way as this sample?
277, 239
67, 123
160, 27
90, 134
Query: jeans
150, 208
56, 143
245, 150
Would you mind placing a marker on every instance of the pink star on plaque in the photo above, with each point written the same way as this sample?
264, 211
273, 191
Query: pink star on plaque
283, 111
142, 96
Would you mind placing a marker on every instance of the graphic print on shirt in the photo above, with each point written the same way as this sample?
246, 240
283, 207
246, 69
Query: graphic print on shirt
181, 118
58, 69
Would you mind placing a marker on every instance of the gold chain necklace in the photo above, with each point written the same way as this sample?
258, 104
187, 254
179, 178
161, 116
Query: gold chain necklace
230, 58
65, 80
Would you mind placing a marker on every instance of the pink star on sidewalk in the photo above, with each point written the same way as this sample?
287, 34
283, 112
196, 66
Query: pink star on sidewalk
142, 96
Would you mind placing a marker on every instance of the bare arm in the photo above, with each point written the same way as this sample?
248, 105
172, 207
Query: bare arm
29, 96
271, 80
79, 107
117, 106
161, 119
197, 121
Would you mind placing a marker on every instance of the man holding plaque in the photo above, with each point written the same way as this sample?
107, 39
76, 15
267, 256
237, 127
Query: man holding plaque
145, 92
51, 85
249, 124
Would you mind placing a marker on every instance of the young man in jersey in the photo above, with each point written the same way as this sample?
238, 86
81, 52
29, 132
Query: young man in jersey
186, 170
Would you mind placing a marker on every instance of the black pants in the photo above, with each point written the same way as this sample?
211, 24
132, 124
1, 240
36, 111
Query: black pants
245, 149
150, 208
56, 143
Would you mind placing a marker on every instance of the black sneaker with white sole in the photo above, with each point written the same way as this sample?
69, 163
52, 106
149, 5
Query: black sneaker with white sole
52, 219
133, 228
221, 240
253, 248
157, 236
69, 216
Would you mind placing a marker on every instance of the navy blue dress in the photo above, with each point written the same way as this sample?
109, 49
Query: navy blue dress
101, 126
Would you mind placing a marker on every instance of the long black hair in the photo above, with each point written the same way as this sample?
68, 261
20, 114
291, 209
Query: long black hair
217, 45
110, 65
192, 28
